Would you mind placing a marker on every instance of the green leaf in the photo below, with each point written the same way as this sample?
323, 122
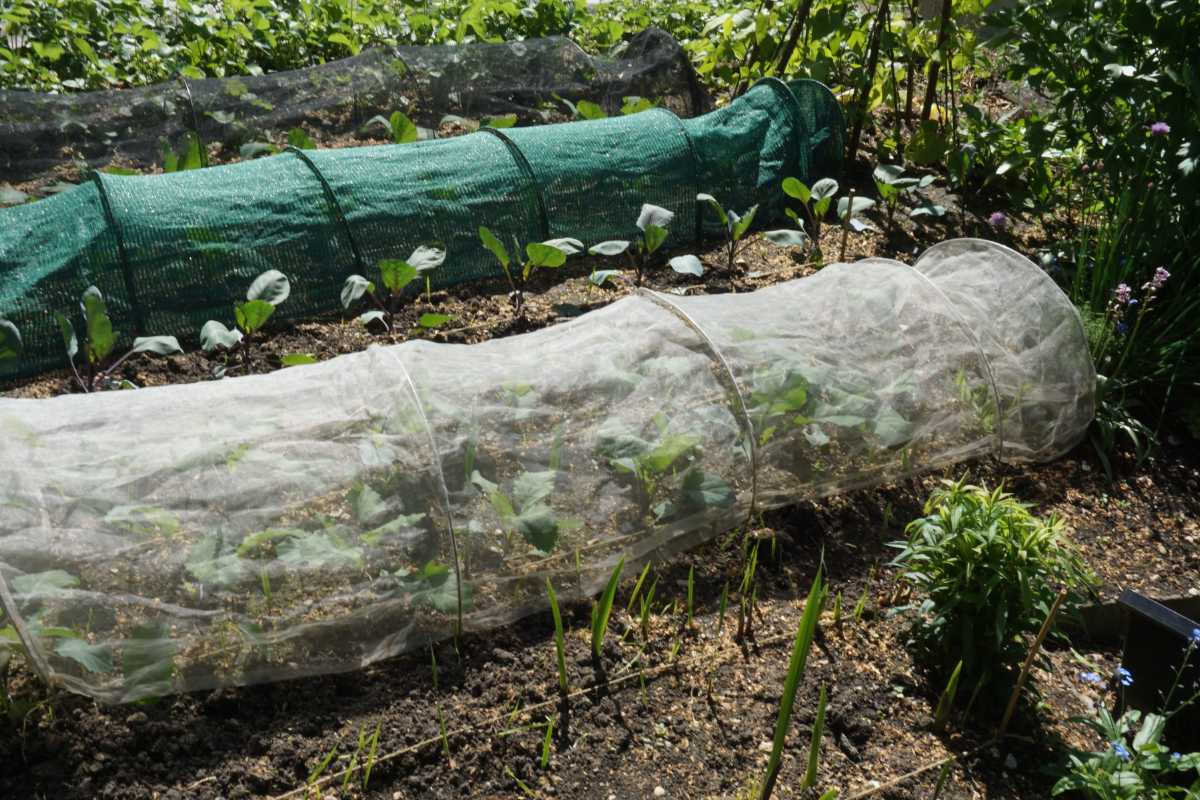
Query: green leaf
10, 340
318, 552
192, 158
255, 149
101, 338
396, 274
636, 105
702, 491
368, 317
430, 320
354, 288
545, 255
92, 657
666, 452
687, 265
68, 335
589, 110
538, 526
928, 145
367, 505
846, 211
300, 140
298, 359
654, 215
272, 287
209, 565
793, 187
255, 541
1151, 731
51, 583
603, 608
148, 657
404, 130
928, 209
531, 488
252, 314
655, 236
493, 244
610, 248
426, 258
787, 237
715, 206
888, 173
160, 345
824, 188
214, 334
601, 276
742, 224
506, 121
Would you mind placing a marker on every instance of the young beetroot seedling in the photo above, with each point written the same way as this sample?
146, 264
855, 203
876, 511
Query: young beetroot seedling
266, 292
550, 254
652, 222
394, 276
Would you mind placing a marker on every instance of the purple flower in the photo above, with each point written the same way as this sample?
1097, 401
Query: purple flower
1160, 277
1120, 751
998, 220
1122, 294
1090, 677
1160, 129
1124, 677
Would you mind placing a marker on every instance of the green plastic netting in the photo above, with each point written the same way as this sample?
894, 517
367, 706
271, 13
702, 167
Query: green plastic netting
172, 251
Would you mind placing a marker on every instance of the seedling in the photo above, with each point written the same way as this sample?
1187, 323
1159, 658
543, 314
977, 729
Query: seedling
837, 609
266, 292
814, 745
394, 276
550, 254
637, 586
527, 509
691, 591
645, 609
10, 341
860, 606
736, 227
545, 762
652, 222
559, 641
318, 771
814, 203
602, 610
97, 345
190, 156
946, 701
401, 129
891, 185
800, 649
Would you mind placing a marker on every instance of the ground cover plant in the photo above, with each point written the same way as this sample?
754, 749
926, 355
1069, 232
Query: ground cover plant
1096, 179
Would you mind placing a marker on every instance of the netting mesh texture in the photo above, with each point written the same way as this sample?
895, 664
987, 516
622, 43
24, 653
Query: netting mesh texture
175, 250
320, 518
532, 79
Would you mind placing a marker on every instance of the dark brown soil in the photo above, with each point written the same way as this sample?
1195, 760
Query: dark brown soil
688, 711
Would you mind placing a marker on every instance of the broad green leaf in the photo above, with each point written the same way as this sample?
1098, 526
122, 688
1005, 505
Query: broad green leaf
845, 211
824, 188
1151, 731
207, 563
298, 359
787, 237
793, 187
255, 149
568, 245
530, 488
635, 105
611, 248
482, 483
148, 656
654, 215
143, 520
366, 504
589, 110
602, 276
372, 316
928, 210
701, 491
44, 584
888, 173
10, 340
493, 244
404, 130
667, 452
68, 335
252, 314
161, 345
101, 338
192, 158
539, 527
214, 334
688, 265
92, 657
425, 258
300, 140
506, 121
254, 541
272, 287
742, 224
354, 288
545, 255
430, 320
928, 145
717, 208
655, 236
318, 551
396, 274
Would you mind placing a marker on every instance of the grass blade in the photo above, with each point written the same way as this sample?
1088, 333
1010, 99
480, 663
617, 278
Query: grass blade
603, 609
559, 643
946, 701
814, 747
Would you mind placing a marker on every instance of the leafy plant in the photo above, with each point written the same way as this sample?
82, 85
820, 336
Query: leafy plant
652, 222
527, 509
559, 640
189, 156
990, 571
892, 185
98, 345
266, 292
398, 126
550, 254
736, 227
394, 276
814, 203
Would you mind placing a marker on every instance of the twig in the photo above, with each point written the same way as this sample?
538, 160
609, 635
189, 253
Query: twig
1033, 651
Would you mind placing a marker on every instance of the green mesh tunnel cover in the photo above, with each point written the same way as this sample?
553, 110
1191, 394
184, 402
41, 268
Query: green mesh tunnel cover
172, 251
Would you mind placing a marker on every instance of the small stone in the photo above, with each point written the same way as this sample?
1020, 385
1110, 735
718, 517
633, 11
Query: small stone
136, 718
660, 791
397, 795
502, 655
1010, 762
765, 747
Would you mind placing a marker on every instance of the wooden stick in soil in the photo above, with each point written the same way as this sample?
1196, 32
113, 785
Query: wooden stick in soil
1033, 651
846, 221
860, 108
934, 63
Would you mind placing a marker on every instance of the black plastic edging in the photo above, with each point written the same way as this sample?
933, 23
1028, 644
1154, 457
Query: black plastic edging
187, 89
139, 318
334, 205
695, 175
527, 171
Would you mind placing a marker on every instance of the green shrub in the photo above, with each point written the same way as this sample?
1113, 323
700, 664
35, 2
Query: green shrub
989, 571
